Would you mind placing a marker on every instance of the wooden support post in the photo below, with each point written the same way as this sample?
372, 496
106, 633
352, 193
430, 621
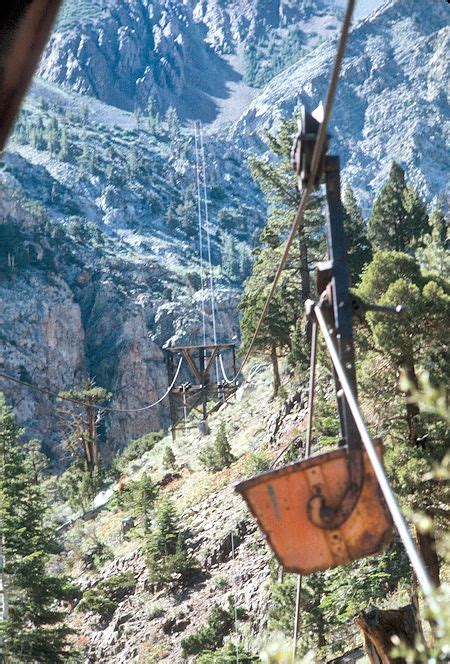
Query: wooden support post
378, 627
172, 406
201, 364
233, 363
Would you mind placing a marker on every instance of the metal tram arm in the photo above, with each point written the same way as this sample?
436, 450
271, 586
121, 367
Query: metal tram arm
333, 285
413, 555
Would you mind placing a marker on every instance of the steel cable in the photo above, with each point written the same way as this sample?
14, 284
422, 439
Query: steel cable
317, 154
86, 404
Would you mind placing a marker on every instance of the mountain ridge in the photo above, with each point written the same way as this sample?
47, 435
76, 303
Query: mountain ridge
390, 102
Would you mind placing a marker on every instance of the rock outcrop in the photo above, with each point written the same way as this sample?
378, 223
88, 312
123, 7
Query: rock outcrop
170, 52
391, 102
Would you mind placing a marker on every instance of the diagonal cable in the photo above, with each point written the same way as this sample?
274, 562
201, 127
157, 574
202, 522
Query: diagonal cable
318, 149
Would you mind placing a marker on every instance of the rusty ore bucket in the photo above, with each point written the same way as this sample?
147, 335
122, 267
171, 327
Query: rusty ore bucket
279, 499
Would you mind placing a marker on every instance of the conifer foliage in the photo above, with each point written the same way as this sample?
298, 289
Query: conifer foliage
218, 456
167, 557
359, 249
34, 629
284, 325
399, 217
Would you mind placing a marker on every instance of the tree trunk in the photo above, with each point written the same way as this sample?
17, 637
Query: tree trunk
4, 615
412, 410
320, 625
305, 281
378, 627
276, 371
426, 543
92, 437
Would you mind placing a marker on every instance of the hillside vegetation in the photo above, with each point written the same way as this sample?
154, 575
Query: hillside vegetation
122, 540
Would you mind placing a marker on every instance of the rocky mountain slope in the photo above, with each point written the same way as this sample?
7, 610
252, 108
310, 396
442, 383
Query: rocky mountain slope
391, 102
148, 626
124, 188
174, 53
99, 226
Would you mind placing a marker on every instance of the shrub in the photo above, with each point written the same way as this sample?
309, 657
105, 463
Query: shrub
220, 581
137, 448
193, 281
282, 393
154, 610
227, 655
79, 485
168, 457
211, 635
217, 456
257, 462
166, 548
106, 595
140, 496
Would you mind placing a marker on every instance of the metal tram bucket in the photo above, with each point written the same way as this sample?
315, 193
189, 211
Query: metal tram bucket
282, 500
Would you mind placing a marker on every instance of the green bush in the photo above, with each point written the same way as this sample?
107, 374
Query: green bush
227, 655
140, 497
169, 457
257, 462
137, 448
106, 595
154, 610
193, 281
217, 456
210, 636
166, 548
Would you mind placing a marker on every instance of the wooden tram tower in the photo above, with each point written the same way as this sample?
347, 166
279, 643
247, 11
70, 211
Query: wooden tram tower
191, 396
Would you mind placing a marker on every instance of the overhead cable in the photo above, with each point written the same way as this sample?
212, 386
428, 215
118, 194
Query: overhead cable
87, 404
200, 228
320, 142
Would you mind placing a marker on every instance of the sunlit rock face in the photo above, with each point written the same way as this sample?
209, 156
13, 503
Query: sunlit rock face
186, 54
391, 102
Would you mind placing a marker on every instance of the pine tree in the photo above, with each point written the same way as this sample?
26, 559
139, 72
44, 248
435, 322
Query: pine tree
169, 457
64, 151
398, 217
279, 184
433, 254
359, 250
166, 547
153, 119
285, 321
414, 343
172, 123
34, 629
416, 214
83, 436
245, 260
230, 258
53, 136
275, 332
37, 134
218, 456
145, 494
85, 159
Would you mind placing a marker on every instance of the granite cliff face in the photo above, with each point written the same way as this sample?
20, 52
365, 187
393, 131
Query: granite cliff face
391, 102
177, 53
85, 316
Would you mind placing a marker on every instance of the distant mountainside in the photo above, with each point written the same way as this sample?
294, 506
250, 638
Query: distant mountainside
391, 102
190, 55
